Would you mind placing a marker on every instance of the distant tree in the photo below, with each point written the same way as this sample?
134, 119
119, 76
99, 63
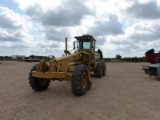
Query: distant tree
7, 58
1, 58
119, 57
32, 56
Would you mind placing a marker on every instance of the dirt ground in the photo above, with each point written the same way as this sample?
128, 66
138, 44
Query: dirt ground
125, 93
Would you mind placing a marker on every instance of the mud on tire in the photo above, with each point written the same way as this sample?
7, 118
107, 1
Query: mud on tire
38, 84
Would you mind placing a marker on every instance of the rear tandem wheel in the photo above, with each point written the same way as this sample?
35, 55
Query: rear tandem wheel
100, 69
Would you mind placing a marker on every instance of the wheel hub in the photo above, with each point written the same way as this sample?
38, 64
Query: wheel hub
84, 80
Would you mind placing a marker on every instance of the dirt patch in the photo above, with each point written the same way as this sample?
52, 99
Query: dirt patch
125, 93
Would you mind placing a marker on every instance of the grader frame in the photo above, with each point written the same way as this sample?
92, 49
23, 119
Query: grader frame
75, 67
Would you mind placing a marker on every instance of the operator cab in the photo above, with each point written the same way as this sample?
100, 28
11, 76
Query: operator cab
85, 42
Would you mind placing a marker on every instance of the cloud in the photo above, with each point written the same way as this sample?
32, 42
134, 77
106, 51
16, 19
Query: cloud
128, 29
149, 10
13, 48
13, 37
110, 27
13, 27
46, 48
9, 19
57, 21
145, 31
31, 47
16, 35
137, 39
100, 40
56, 34
69, 13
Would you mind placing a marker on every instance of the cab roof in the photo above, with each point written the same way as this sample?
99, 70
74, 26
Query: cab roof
84, 37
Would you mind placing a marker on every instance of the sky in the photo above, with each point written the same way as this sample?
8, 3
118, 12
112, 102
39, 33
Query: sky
39, 27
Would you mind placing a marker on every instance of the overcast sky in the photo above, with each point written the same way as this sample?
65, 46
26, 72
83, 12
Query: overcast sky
39, 27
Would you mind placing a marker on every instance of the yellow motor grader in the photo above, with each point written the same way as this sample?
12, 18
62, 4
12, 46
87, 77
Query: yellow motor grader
75, 67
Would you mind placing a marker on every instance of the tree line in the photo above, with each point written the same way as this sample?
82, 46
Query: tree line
29, 57
116, 59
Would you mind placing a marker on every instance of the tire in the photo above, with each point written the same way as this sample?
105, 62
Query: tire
104, 68
99, 70
80, 80
38, 84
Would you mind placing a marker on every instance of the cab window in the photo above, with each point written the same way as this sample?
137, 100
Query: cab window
84, 44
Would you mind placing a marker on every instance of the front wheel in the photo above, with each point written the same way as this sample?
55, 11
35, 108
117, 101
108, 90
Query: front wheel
80, 80
38, 84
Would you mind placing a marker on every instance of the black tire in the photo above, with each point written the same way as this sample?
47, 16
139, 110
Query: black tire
80, 80
99, 70
38, 84
104, 68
